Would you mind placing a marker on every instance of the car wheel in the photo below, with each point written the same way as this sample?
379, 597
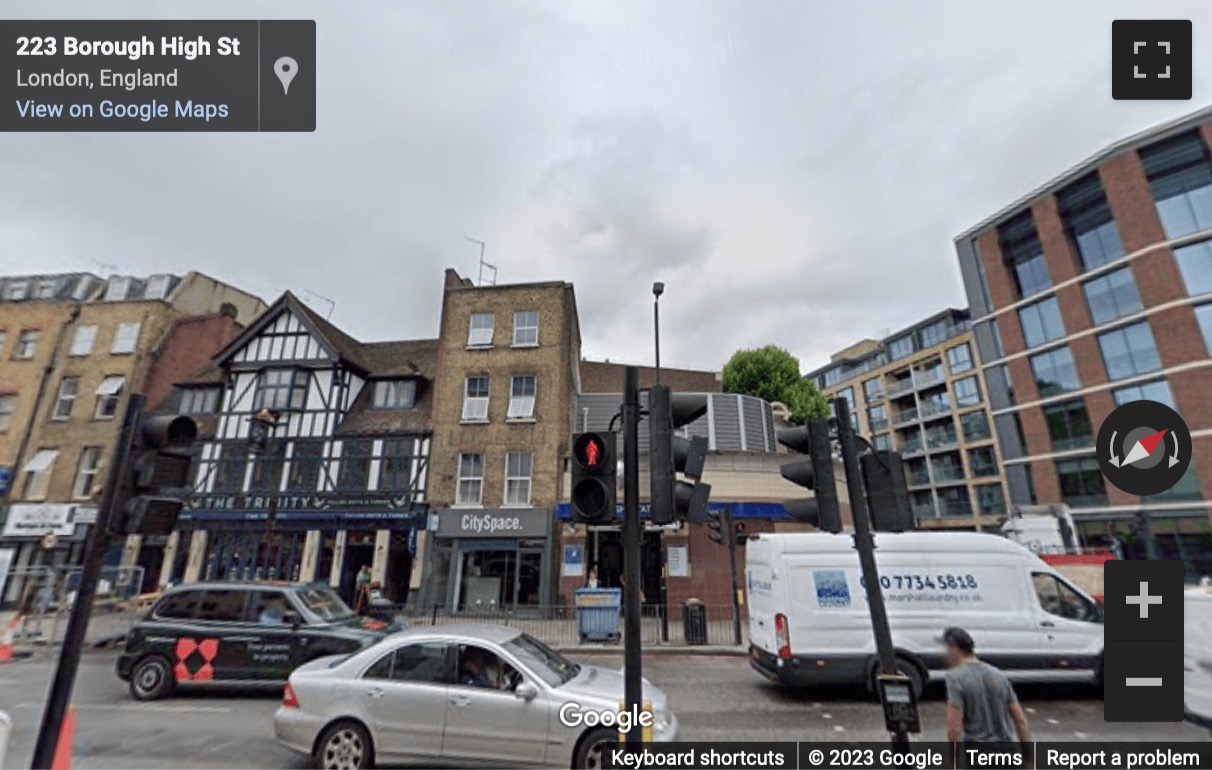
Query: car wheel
589, 752
152, 678
916, 682
345, 746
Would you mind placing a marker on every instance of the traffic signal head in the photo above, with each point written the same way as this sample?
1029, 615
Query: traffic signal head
594, 477
717, 528
816, 473
156, 483
887, 494
742, 533
673, 500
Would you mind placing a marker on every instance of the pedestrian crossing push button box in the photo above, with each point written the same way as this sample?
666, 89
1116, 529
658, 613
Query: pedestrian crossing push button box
1143, 641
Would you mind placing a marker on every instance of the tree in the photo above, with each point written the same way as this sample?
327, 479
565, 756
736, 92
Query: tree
774, 374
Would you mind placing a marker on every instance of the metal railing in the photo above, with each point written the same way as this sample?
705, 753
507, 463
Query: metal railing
559, 626
46, 597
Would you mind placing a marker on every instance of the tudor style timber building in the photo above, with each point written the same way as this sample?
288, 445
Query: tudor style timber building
315, 456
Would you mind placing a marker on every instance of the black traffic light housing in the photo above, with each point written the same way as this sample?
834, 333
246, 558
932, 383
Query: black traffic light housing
673, 500
816, 473
594, 477
887, 493
741, 531
719, 526
156, 476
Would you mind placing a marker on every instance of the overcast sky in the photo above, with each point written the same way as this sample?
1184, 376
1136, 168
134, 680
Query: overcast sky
794, 172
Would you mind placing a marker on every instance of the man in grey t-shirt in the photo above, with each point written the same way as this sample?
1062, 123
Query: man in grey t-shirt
981, 704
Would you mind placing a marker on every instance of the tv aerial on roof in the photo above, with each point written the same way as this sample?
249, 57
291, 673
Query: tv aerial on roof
484, 266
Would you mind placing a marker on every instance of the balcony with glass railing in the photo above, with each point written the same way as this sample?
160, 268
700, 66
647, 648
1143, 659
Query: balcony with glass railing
904, 416
926, 378
935, 409
918, 477
900, 386
993, 508
977, 432
956, 507
942, 441
924, 511
980, 470
913, 446
948, 473
1072, 442
878, 424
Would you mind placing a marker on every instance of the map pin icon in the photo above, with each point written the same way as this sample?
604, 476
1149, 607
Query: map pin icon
286, 68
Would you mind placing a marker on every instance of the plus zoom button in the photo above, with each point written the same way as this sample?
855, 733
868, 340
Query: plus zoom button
1143, 641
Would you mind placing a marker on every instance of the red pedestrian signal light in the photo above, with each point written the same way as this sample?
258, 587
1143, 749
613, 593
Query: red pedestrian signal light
594, 478
590, 451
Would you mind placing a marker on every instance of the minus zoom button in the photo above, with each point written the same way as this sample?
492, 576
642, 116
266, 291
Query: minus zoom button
1143, 681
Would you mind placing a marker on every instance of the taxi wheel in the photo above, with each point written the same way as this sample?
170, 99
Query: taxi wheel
152, 678
589, 752
344, 746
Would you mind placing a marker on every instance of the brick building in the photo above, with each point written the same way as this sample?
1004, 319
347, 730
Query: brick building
72, 348
921, 392
507, 380
1093, 291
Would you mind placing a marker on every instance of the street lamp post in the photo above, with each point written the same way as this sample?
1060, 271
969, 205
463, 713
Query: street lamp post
658, 289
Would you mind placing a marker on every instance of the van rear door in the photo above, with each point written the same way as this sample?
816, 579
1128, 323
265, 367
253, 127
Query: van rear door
760, 591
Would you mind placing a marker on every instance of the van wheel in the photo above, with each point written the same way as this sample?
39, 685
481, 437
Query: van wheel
152, 678
916, 681
590, 750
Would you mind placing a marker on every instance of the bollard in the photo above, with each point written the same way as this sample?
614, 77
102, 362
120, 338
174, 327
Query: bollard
6, 731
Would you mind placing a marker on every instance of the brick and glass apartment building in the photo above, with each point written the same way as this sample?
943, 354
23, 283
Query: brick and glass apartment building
920, 392
1095, 290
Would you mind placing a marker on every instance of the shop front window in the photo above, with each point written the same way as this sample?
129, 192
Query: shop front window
501, 575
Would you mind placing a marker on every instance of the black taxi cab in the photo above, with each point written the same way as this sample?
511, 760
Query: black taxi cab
238, 634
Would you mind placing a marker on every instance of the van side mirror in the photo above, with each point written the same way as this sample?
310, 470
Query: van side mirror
526, 691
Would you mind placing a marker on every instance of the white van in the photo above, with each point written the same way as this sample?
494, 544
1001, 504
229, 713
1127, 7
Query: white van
809, 621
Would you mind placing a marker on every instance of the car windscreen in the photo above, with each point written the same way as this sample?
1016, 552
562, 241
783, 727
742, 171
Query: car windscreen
547, 664
323, 602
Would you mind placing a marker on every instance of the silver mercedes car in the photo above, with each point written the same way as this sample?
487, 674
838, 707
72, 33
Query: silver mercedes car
459, 695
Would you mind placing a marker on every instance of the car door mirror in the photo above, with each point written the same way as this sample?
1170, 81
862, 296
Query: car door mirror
526, 691
293, 619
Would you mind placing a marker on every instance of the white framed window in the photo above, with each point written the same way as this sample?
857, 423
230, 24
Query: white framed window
8, 405
518, 467
16, 290
526, 328
470, 485
37, 474
69, 388
200, 400
157, 287
126, 338
475, 399
86, 472
395, 394
108, 394
82, 343
46, 288
281, 389
479, 334
118, 288
27, 343
521, 397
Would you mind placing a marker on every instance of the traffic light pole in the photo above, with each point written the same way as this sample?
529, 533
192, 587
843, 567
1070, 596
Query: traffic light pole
633, 680
864, 543
736, 589
95, 547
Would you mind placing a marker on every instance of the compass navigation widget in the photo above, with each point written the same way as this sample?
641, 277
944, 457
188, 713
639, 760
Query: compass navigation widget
1144, 448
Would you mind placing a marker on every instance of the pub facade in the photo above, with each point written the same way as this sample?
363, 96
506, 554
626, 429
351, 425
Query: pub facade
314, 458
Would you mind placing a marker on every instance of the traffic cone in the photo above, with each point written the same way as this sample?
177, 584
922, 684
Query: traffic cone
63, 749
6, 640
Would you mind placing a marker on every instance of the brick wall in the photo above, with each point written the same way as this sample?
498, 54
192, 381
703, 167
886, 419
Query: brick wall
188, 347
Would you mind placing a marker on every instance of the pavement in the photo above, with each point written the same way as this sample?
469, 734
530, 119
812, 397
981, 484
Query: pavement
716, 697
